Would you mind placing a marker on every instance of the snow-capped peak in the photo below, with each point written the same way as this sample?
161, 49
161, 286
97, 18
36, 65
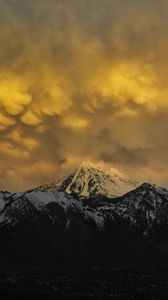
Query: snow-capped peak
91, 180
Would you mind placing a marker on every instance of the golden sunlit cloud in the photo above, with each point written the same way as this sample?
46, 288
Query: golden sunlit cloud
6, 121
30, 118
9, 150
74, 122
82, 80
17, 137
13, 96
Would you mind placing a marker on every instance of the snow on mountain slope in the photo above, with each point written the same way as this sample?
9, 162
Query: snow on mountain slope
145, 208
141, 212
89, 180
28, 207
86, 181
54, 229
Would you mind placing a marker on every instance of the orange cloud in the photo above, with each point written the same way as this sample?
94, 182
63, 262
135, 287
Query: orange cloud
83, 80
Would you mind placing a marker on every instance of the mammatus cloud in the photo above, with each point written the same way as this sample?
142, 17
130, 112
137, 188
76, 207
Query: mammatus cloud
82, 80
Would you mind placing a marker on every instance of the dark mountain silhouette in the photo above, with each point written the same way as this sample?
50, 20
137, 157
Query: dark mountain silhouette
53, 227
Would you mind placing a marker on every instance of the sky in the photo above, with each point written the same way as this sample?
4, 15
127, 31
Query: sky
83, 80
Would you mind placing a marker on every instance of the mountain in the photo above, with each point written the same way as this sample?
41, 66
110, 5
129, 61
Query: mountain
54, 228
29, 205
146, 209
89, 180
46, 228
51, 224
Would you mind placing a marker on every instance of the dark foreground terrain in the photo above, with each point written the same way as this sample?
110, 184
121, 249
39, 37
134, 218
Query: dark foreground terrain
95, 283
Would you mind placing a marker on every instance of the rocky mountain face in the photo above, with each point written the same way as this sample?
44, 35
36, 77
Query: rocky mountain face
54, 224
89, 180
53, 228
146, 209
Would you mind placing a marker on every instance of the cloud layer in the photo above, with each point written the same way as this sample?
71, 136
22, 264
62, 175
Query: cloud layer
82, 80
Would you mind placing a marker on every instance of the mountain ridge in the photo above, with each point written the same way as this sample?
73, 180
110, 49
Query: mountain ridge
49, 224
